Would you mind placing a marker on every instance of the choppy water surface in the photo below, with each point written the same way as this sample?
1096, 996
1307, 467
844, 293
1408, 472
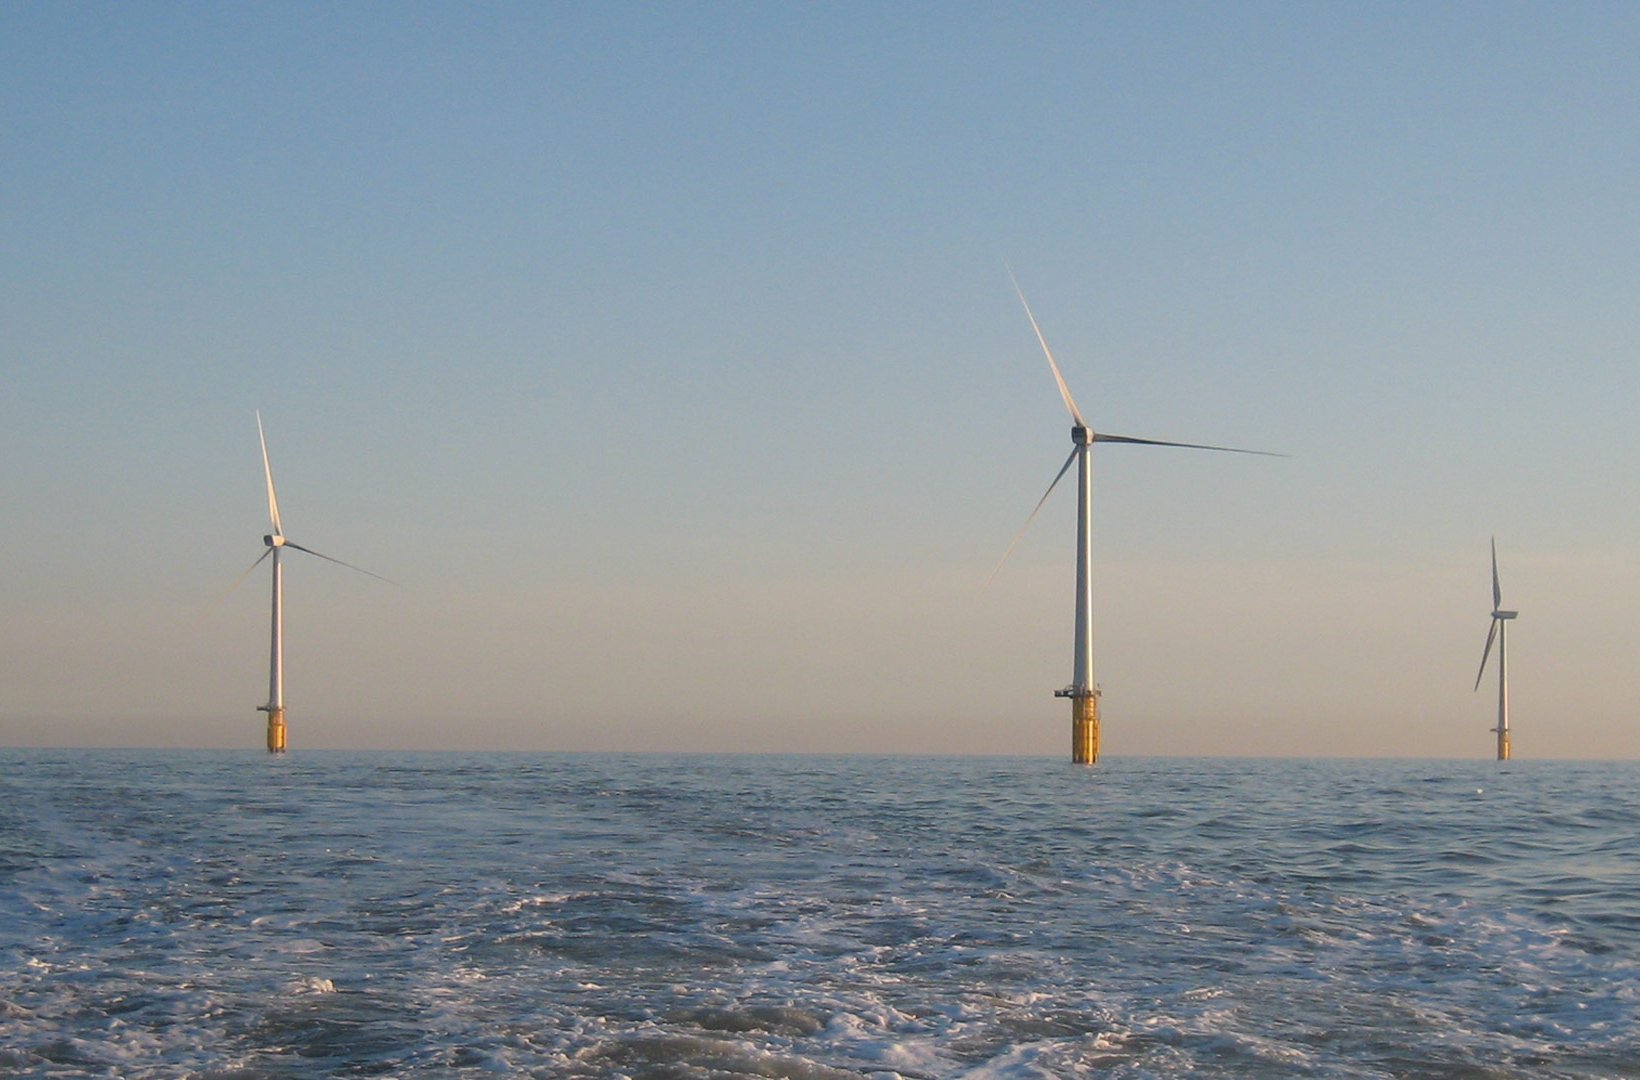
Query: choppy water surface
235, 915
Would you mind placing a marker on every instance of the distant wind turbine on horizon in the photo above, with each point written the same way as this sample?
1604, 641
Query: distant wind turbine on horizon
1500, 631
276, 544
1083, 691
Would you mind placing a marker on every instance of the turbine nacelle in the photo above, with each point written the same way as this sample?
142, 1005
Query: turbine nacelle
1082, 435
1504, 614
274, 541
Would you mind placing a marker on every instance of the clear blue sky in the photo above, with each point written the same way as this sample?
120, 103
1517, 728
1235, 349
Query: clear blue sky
666, 355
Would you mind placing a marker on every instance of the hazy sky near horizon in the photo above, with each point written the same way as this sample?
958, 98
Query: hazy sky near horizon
667, 356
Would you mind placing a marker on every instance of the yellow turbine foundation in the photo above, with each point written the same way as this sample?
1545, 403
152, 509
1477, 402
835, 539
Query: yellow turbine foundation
276, 731
1085, 729
1503, 746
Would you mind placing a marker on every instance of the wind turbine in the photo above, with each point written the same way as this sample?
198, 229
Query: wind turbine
1083, 691
276, 545
1499, 630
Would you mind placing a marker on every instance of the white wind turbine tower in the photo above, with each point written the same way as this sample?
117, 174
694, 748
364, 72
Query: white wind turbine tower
276, 544
1499, 630
1083, 691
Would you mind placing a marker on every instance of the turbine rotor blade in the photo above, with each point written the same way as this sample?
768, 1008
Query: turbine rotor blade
339, 562
1098, 436
1018, 536
1064, 389
267, 470
240, 580
1497, 591
1490, 634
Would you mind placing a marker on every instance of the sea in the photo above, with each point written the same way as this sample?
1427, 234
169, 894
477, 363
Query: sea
214, 914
